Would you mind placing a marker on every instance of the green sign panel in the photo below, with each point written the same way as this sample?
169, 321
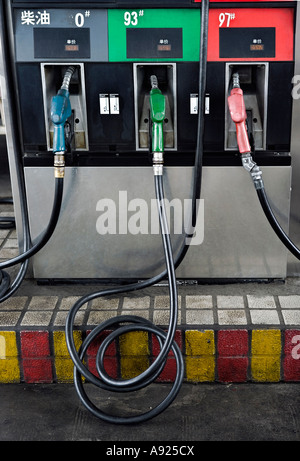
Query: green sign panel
154, 35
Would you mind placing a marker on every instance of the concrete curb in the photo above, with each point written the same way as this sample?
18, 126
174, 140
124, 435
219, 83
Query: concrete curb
210, 355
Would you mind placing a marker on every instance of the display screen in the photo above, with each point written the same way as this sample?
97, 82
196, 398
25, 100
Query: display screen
61, 43
151, 43
247, 42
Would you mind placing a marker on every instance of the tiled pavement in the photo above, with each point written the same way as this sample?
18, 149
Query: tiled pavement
195, 310
227, 333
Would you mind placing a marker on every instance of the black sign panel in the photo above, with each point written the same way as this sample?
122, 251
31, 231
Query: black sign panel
66, 43
247, 42
152, 43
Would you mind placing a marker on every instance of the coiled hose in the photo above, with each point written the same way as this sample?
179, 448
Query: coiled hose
166, 340
135, 323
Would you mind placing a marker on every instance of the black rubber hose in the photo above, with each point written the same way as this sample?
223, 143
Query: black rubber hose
275, 224
166, 340
5, 289
42, 240
7, 222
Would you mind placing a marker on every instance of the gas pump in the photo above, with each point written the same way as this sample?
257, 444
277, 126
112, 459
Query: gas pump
67, 107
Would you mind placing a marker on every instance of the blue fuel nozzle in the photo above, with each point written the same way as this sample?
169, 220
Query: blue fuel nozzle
60, 112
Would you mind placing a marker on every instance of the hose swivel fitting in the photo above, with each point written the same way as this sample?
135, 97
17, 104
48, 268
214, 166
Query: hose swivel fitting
158, 162
59, 165
254, 170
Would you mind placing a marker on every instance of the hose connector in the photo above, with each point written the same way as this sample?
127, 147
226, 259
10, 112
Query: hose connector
158, 163
59, 165
254, 170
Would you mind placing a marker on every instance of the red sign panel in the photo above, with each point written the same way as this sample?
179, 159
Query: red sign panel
251, 34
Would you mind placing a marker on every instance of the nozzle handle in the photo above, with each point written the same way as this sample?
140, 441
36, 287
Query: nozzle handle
238, 114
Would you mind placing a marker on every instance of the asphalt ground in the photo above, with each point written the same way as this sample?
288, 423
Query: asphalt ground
201, 412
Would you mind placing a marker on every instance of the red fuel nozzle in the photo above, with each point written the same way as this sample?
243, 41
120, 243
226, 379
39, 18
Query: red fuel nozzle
238, 114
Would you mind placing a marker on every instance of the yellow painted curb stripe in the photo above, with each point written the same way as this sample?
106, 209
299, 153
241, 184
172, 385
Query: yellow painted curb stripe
266, 355
134, 351
200, 352
9, 363
63, 363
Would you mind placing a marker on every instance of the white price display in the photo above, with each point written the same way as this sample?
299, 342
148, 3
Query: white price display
225, 19
131, 18
80, 18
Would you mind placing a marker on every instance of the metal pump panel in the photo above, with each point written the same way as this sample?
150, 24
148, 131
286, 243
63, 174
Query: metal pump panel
107, 229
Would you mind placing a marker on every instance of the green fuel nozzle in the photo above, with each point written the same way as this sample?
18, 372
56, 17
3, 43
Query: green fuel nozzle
157, 114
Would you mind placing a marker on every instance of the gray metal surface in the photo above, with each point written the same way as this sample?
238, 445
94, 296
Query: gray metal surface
293, 263
238, 241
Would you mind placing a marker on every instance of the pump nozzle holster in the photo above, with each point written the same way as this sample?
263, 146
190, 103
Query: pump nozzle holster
60, 112
238, 114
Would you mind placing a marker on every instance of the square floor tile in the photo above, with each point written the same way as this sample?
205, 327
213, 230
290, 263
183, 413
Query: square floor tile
289, 302
230, 302
9, 319
199, 317
232, 317
43, 303
291, 317
14, 303
264, 317
199, 302
162, 317
261, 302
37, 318
142, 302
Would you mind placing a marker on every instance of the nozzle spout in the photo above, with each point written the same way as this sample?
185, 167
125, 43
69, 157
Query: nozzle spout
67, 78
154, 82
236, 80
